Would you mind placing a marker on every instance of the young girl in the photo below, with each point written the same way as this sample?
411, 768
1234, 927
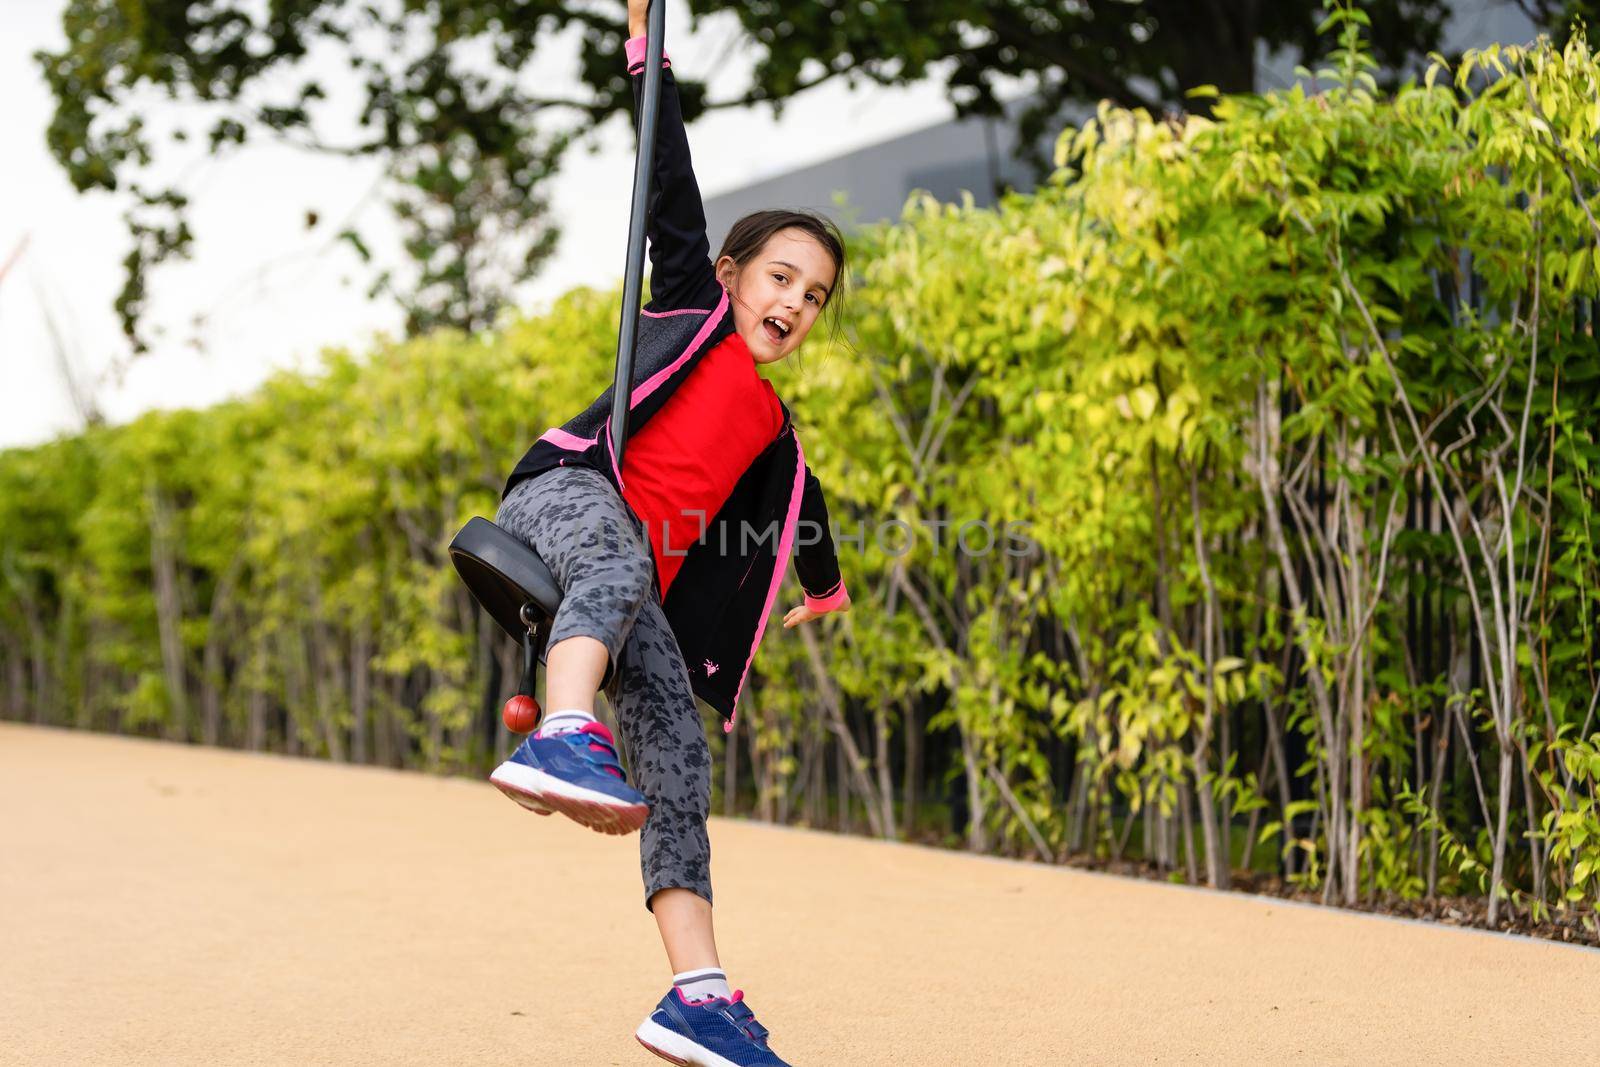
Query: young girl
669, 565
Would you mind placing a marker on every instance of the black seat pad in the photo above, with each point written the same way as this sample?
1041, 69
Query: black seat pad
503, 573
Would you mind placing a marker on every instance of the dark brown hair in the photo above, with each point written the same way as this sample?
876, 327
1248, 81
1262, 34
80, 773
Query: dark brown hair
747, 237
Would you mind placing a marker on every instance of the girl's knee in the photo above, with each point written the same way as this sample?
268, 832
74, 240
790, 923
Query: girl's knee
635, 579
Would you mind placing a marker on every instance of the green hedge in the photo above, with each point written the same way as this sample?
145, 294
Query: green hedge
1296, 404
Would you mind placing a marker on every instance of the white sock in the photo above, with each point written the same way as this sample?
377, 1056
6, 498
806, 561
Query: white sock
702, 983
564, 722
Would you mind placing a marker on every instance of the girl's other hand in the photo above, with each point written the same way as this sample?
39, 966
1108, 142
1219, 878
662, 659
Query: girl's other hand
800, 614
638, 17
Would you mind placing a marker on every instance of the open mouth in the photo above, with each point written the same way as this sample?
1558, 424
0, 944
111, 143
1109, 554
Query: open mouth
776, 330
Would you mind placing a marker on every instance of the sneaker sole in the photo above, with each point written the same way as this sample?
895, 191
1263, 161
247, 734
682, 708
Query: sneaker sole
529, 803
544, 793
675, 1048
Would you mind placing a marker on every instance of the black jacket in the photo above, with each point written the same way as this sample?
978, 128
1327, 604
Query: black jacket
720, 600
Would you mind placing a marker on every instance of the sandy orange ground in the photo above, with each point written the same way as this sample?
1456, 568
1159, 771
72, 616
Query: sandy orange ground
162, 904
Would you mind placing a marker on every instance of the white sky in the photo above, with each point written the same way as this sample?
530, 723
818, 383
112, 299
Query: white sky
262, 291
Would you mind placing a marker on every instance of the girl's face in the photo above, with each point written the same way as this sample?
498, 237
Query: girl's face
778, 293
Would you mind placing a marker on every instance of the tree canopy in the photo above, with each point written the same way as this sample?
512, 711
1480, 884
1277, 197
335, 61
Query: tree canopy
449, 94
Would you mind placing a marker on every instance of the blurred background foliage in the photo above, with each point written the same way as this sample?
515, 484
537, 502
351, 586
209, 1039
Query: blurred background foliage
1296, 400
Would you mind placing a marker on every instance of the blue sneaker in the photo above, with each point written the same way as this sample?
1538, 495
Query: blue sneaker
576, 774
716, 1032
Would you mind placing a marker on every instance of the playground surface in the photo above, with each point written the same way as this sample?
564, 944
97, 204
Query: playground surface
168, 904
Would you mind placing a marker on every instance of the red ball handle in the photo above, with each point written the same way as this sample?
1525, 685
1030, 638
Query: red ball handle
522, 714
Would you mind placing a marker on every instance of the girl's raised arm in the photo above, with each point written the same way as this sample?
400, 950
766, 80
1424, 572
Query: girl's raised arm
680, 263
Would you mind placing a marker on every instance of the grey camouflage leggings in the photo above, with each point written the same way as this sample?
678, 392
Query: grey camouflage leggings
601, 558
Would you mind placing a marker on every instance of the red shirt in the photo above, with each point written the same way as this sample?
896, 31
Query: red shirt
680, 468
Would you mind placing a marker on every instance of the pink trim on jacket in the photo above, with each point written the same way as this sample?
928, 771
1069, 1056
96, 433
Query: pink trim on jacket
634, 50
664, 373
825, 594
569, 441
785, 543
829, 602
612, 452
